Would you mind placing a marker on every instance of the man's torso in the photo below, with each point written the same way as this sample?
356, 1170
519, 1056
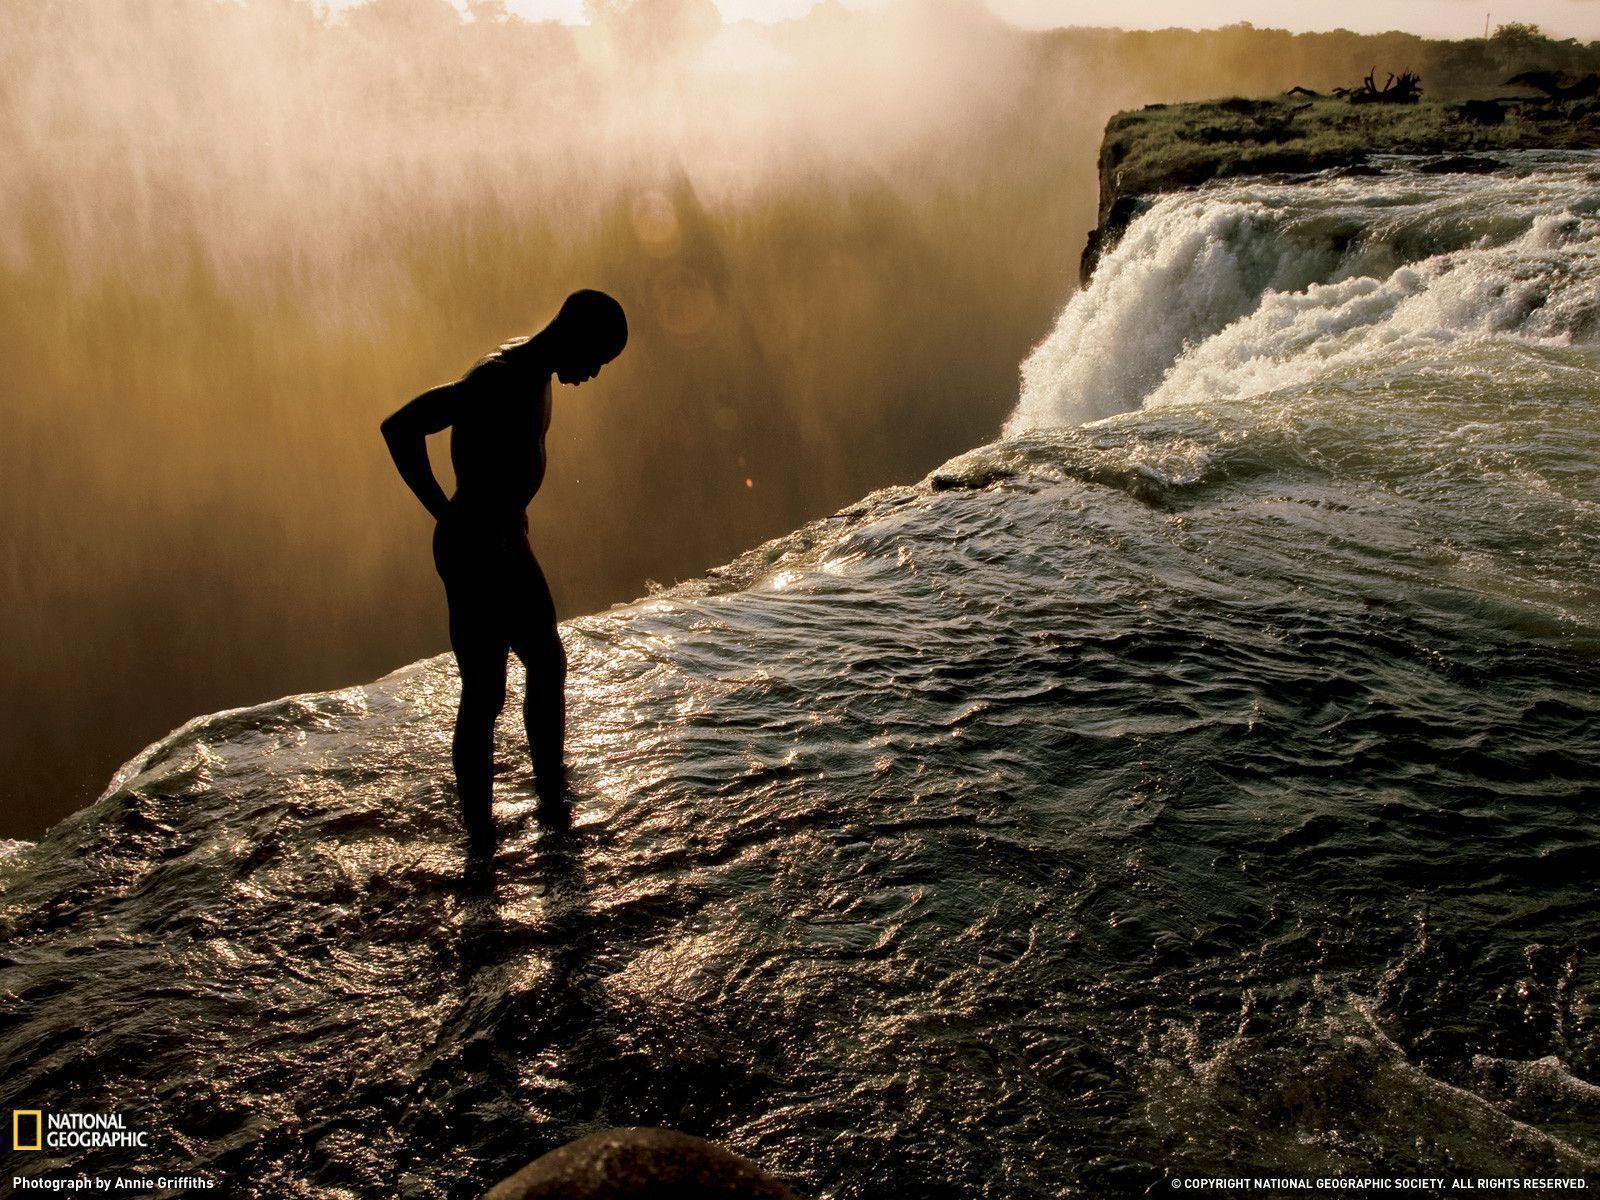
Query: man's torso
497, 441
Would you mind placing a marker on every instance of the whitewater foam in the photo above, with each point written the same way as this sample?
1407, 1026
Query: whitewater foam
1245, 288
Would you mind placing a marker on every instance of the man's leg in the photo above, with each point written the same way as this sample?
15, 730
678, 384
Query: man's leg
544, 704
544, 713
481, 659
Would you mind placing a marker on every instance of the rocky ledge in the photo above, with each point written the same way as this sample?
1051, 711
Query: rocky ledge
1169, 147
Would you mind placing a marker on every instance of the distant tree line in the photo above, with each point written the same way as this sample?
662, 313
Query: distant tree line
1184, 64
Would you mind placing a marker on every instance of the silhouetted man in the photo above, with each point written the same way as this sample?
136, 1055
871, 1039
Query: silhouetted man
497, 415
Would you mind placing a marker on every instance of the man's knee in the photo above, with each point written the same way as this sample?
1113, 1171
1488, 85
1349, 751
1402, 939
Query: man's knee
482, 701
545, 657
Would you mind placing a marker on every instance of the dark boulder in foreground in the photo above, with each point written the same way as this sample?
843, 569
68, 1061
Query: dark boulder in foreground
640, 1164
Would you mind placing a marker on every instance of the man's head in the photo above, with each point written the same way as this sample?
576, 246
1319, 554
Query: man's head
588, 332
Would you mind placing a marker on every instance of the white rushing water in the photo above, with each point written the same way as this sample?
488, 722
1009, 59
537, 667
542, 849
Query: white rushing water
1250, 287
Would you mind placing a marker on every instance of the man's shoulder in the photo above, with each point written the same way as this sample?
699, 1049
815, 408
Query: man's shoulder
489, 374
504, 366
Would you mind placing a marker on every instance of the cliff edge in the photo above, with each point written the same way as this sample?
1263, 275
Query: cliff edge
1170, 147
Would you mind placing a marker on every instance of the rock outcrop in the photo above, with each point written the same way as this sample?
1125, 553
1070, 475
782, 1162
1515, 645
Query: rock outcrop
1169, 147
640, 1164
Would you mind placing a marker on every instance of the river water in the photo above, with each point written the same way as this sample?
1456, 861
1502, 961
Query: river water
1200, 779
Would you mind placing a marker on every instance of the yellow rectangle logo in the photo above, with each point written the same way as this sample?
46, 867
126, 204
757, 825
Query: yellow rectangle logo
20, 1118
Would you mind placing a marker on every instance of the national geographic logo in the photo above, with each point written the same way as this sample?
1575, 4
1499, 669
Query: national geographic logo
35, 1129
27, 1129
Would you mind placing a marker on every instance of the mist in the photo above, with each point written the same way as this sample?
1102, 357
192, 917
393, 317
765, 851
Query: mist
235, 234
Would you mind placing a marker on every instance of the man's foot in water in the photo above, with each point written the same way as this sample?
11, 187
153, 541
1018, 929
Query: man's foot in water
478, 876
555, 801
480, 856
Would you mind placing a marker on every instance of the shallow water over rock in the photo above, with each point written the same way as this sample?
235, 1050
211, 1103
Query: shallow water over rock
1212, 785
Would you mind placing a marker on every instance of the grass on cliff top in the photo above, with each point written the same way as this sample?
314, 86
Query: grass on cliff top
1179, 145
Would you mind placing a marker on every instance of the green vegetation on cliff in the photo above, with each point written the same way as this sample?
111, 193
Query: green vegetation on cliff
1172, 146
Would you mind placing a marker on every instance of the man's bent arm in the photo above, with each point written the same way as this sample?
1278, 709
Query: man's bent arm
406, 433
